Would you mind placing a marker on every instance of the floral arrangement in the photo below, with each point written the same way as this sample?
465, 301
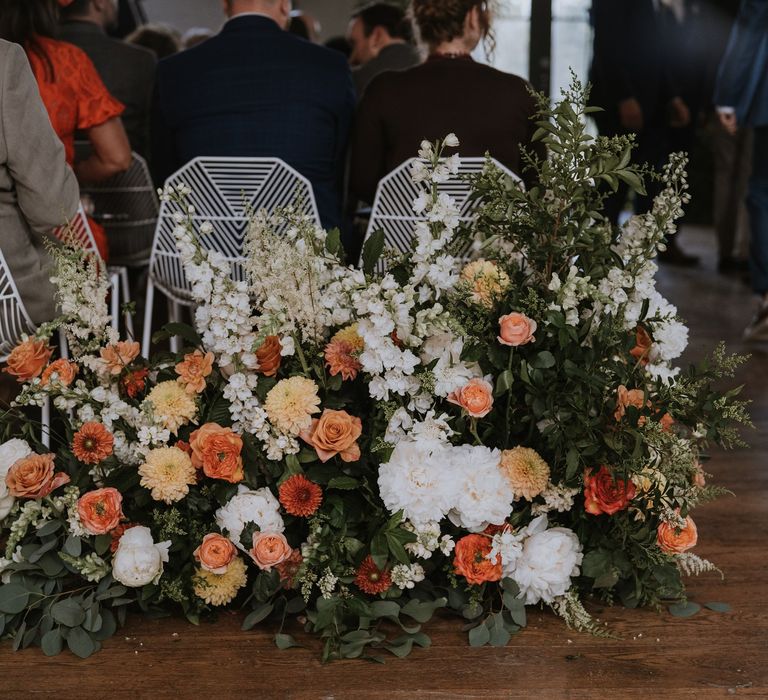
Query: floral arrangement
361, 450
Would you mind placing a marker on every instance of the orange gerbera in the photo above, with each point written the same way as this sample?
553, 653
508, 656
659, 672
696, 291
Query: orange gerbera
471, 560
340, 359
371, 579
64, 370
92, 443
193, 371
300, 496
135, 382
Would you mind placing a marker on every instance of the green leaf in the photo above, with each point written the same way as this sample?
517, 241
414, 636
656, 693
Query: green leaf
718, 607
108, 626
253, 618
504, 382
372, 251
68, 612
13, 598
479, 636
379, 549
684, 609
544, 360
285, 641
80, 643
343, 483
516, 608
52, 643
73, 546
423, 611
49, 528
333, 241
295, 605
385, 608
182, 330
397, 549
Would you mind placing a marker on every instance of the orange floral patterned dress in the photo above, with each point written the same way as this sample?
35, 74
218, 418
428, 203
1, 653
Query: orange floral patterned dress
76, 99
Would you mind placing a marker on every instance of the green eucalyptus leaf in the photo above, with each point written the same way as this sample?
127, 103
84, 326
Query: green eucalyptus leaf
686, 609
68, 612
285, 641
13, 598
479, 636
81, 643
52, 643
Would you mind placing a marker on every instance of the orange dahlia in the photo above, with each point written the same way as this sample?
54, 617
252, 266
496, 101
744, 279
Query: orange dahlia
300, 496
371, 579
92, 443
340, 359
135, 382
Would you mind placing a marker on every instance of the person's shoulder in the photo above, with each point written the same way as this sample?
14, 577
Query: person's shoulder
63, 51
317, 55
9, 51
133, 53
391, 81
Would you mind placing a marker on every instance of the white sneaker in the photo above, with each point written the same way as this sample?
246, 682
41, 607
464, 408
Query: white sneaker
757, 330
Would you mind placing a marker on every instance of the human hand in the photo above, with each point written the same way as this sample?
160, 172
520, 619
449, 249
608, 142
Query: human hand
631, 114
680, 115
728, 121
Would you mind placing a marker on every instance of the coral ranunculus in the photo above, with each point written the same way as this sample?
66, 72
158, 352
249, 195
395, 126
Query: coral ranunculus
34, 477
675, 540
475, 397
193, 371
215, 553
100, 511
269, 549
471, 560
65, 370
516, 329
217, 451
28, 359
300, 496
115, 358
269, 357
93, 443
372, 580
643, 345
605, 494
335, 433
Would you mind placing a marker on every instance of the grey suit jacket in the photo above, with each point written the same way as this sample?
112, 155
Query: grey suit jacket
38, 191
128, 72
392, 57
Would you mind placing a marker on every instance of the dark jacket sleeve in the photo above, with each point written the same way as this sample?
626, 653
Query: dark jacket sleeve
164, 159
611, 22
368, 143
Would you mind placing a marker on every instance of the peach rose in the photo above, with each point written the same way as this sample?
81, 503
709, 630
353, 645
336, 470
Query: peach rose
605, 494
28, 359
335, 433
217, 451
629, 397
193, 371
215, 553
516, 329
475, 397
33, 477
64, 369
269, 549
676, 541
643, 344
269, 356
100, 511
117, 357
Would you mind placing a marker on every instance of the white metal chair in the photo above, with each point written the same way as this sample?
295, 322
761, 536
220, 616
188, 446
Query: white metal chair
14, 323
223, 192
78, 231
392, 209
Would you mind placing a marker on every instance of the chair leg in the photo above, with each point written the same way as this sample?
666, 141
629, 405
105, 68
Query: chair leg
174, 315
45, 421
149, 302
125, 289
114, 282
63, 345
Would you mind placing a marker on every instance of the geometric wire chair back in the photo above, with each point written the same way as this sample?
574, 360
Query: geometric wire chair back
393, 212
223, 192
78, 233
14, 319
127, 207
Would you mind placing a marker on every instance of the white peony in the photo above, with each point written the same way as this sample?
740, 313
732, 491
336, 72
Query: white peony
419, 479
139, 560
548, 561
10, 453
247, 506
483, 495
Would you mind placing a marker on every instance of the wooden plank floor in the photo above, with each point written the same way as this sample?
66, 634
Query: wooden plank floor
709, 655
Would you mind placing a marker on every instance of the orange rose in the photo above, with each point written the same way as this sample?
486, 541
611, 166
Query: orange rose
643, 344
269, 549
215, 553
100, 511
604, 494
193, 371
335, 433
64, 369
475, 397
667, 422
516, 329
33, 477
117, 357
629, 397
676, 541
470, 560
217, 450
269, 356
28, 359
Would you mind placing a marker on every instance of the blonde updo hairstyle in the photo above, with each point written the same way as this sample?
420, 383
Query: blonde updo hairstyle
440, 21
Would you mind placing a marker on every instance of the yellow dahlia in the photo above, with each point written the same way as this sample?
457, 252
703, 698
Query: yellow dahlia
486, 281
220, 589
349, 335
526, 471
291, 403
168, 474
171, 405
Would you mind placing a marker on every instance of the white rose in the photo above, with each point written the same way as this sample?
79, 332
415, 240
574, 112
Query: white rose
139, 560
10, 453
548, 561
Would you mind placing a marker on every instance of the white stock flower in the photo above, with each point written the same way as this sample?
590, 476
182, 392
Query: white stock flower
248, 506
139, 560
10, 453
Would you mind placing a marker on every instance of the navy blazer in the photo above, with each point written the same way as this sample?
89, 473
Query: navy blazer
742, 82
256, 90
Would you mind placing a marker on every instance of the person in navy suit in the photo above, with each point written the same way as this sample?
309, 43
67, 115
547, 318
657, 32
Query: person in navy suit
741, 96
256, 90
